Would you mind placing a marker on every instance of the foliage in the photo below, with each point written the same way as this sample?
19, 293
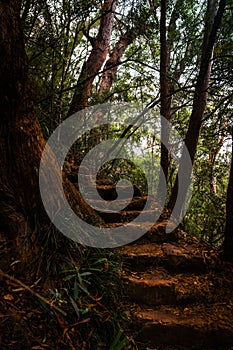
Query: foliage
59, 36
87, 285
58, 43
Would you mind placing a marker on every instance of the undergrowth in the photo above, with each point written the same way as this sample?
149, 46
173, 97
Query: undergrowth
88, 284
83, 290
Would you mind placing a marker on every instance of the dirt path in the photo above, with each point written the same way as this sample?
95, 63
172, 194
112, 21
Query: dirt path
178, 292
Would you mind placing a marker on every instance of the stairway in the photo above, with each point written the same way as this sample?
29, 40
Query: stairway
174, 298
178, 294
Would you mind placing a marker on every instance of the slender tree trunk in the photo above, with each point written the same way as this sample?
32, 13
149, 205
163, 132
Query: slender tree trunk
165, 109
213, 21
166, 86
212, 159
96, 58
112, 64
228, 240
21, 146
110, 69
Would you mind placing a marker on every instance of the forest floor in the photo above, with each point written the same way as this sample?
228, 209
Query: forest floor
177, 295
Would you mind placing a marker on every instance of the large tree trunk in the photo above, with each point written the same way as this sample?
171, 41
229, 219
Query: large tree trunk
96, 58
213, 21
22, 143
228, 240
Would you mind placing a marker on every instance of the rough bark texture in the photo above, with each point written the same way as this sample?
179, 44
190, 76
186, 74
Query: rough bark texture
21, 138
112, 64
228, 240
96, 58
22, 143
213, 20
110, 70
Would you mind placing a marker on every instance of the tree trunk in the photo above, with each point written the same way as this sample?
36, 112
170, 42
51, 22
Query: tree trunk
228, 240
21, 138
213, 21
166, 86
21, 145
110, 69
112, 64
212, 159
165, 109
96, 58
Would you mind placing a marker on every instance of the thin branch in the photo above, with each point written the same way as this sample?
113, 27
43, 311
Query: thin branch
29, 289
218, 106
99, 73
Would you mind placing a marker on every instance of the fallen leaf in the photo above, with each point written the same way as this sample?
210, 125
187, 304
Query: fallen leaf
8, 297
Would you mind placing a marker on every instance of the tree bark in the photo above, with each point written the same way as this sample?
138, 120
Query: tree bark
21, 138
21, 145
112, 64
110, 70
96, 58
228, 235
166, 86
212, 159
165, 109
213, 21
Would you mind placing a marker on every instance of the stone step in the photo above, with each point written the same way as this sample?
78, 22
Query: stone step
172, 256
137, 232
128, 232
137, 203
158, 287
202, 327
109, 192
151, 290
149, 216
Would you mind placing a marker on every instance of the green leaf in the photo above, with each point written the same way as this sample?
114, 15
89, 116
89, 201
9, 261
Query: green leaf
69, 277
75, 306
75, 289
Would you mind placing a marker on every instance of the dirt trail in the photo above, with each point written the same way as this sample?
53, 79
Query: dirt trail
178, 292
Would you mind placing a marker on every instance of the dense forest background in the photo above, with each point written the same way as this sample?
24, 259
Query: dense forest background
150, 53
59, 57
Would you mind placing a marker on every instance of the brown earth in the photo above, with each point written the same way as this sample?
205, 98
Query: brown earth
178, 294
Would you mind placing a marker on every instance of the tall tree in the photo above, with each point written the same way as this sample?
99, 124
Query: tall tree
112, 64
214, 14
170, 74
96, 59
165, 94
228, 240
22, 144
